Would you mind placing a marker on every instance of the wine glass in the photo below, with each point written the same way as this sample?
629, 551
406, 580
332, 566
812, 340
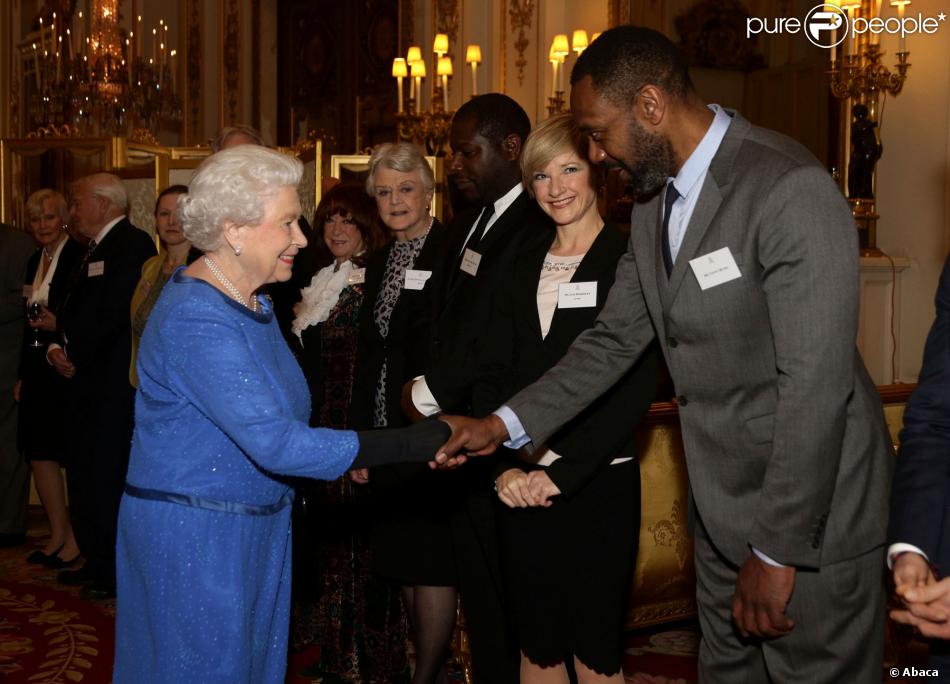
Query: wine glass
33, 311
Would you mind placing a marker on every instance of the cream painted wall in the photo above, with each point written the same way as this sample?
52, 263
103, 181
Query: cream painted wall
913, 180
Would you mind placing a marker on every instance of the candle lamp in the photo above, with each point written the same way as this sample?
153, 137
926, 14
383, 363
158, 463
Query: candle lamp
473, 56
859, 79
428, 127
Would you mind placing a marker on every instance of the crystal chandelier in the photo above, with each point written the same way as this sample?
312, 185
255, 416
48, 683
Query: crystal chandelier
92, 77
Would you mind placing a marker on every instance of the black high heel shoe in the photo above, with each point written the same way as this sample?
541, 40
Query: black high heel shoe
40, 558
56, 563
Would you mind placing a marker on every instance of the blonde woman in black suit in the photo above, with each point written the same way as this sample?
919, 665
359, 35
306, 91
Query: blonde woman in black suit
41, 389
569, 528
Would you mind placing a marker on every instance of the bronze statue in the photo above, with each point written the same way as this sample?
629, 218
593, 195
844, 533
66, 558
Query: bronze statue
865, 151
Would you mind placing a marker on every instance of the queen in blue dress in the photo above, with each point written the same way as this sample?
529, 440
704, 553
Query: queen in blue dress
203, 555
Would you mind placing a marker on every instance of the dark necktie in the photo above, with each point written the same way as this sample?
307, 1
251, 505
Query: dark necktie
671, 196
477, 234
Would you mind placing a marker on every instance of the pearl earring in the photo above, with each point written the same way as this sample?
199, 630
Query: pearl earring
237, 250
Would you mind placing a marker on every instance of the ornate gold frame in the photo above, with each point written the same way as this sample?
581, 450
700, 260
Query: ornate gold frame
14, 150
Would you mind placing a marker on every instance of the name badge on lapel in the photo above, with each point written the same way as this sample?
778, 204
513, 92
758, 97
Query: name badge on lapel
715, 268
357, 277
470, 261
416, 280
577, 295
96, 268
27, 291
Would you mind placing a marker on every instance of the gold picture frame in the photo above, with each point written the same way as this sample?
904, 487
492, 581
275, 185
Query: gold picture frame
30, 164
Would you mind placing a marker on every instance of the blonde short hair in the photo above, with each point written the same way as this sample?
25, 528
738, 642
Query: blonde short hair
403, 157
549, 139
231, 185
34, 204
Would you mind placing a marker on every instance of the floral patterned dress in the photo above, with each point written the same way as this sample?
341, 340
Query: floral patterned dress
339, 605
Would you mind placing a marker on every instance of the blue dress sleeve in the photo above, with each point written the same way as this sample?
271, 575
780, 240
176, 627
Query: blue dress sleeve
230, 369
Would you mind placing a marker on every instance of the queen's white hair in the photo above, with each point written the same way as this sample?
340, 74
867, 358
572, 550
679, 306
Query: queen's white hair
231, 185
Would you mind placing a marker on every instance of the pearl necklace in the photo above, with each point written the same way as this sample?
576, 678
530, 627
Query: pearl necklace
228, 285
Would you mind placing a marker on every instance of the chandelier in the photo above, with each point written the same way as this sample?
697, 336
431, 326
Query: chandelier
92, 76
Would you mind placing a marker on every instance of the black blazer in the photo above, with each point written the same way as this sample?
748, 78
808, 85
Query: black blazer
462, 313
69, 259
94, 322
516, 355
408, 348
920, 494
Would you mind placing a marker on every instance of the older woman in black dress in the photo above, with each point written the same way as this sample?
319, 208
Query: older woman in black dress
411, 542
42, 390
569, 529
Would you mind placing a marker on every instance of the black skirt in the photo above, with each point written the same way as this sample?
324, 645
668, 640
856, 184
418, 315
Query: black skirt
411, 537
41, 419
568, 570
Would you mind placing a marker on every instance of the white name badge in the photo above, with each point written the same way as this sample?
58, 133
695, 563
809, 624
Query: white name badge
577, 295
470, 261
27, 291
715, 268
416, 280
96, 268
357, 277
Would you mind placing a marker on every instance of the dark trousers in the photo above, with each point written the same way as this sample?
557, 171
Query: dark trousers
495, 654
95, 476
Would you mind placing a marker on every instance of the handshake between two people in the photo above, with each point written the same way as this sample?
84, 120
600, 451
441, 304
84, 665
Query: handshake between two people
470, 437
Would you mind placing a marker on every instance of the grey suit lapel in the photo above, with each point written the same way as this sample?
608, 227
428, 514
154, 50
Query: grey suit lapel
645, 241
715, 187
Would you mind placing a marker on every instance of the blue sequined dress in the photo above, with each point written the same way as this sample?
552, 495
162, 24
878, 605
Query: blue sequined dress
203, 555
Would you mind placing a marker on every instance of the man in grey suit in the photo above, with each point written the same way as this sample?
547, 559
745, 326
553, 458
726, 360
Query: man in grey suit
743, 261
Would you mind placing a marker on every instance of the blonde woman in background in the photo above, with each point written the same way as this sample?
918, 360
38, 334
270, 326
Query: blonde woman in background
41, 390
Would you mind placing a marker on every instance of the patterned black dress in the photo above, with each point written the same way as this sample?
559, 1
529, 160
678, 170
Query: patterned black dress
356, 619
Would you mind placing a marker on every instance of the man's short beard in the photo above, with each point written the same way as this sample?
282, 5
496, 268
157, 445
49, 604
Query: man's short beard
649, 161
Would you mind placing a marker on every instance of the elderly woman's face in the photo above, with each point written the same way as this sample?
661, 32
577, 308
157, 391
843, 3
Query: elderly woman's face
166, 221
47, 227
402, 201
342, 236
269, 248
564, 188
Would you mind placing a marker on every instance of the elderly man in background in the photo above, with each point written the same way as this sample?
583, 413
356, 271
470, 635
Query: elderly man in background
15, 250
93, 352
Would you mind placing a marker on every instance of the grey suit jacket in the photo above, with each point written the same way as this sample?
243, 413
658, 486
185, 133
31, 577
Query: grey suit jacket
786, 445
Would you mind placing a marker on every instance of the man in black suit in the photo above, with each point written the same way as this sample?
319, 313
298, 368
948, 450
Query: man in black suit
918, 533
15, 250
94, 352
486, 138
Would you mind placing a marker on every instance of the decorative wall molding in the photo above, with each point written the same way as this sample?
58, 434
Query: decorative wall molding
193, 72
230, 61
447, 19
521, 13
255, 64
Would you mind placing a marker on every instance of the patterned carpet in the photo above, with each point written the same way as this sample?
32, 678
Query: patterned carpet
49, 635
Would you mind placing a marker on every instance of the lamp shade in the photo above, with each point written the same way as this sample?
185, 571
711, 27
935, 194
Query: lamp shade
399, 67
444, 67
595, 37
441, 44
414, 54
552, 55
417, 68
579, 41
473, 54
560, 46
